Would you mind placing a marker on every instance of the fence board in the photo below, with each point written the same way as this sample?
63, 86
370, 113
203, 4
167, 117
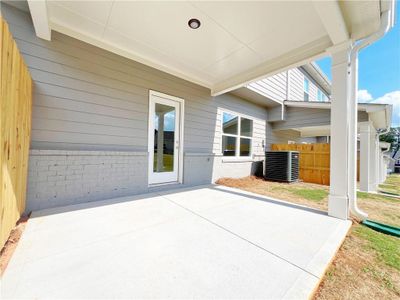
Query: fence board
314, 164
15, 128
314, 161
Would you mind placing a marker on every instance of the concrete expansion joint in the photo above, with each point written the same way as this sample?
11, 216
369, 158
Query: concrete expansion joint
238, 236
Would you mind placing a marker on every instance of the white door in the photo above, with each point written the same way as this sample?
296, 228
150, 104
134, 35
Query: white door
165, 132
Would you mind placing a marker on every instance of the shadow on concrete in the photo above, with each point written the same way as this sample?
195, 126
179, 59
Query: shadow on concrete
149, 196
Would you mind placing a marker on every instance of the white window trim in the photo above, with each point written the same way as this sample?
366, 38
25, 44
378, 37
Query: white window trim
237, 156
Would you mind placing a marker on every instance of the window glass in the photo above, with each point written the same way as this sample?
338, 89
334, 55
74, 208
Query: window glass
164, 138
306, 86
321, 96
245, 147
228, 145
246, 127
230, 124
237, 133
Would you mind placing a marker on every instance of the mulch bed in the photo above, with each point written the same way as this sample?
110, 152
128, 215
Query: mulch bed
11, 244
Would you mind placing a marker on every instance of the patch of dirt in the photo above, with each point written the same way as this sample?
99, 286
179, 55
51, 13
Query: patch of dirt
11, 244
356, 274
279, 190
379, 208
385, 210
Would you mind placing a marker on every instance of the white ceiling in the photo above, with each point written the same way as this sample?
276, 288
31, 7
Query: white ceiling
234, 38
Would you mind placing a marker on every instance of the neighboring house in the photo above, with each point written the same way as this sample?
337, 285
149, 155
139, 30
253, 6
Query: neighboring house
394, 164
102, 123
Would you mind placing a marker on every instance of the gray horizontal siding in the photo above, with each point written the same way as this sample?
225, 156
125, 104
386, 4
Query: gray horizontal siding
297, 117
296, 89
275, 113
273, 87
86, 98
296, 85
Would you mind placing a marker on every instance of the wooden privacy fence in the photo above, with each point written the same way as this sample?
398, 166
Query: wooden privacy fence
314, 161
15, 127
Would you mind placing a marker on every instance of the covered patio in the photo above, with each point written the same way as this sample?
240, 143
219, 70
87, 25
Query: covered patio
222, 54
198, 242
204, 242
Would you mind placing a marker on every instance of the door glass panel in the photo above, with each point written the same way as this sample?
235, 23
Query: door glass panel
164, 138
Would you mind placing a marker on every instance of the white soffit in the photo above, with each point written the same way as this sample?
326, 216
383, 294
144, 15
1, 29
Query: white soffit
237, 42
322, 130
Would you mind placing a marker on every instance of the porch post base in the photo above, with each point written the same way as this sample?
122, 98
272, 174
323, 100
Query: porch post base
338, 207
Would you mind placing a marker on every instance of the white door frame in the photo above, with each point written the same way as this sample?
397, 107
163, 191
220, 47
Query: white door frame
157, 97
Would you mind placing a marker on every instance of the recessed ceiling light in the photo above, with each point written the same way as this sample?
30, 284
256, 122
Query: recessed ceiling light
194, 23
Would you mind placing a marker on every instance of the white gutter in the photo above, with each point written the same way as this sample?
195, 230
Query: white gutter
386, 24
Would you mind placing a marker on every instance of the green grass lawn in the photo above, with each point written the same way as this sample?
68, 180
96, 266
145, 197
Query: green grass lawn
367, 265
386, 247
316, 195
391, 185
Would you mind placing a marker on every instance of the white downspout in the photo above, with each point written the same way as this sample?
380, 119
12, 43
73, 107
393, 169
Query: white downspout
383, 157
386, 24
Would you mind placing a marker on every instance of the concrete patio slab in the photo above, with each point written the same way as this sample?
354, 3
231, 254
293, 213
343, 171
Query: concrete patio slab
203, 242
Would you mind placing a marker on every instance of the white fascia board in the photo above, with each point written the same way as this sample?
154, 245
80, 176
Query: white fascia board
318, 76
308, 104
316, 132
296, 58
372, 107
367, 107
332, 19
40, 18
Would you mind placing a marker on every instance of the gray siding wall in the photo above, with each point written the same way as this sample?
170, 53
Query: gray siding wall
274, 87
288, 85
275, 113
296, 85
88, 99
297, 117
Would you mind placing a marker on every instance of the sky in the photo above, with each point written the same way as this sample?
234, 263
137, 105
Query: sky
378, 70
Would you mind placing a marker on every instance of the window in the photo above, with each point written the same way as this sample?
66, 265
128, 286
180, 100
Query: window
237, 134
306, 87
321, 96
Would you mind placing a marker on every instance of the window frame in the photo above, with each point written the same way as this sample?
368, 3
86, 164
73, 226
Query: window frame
238, 136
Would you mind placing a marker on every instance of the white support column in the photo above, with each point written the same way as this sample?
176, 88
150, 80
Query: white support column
374, 161
382, 168
365, 156
342, 117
